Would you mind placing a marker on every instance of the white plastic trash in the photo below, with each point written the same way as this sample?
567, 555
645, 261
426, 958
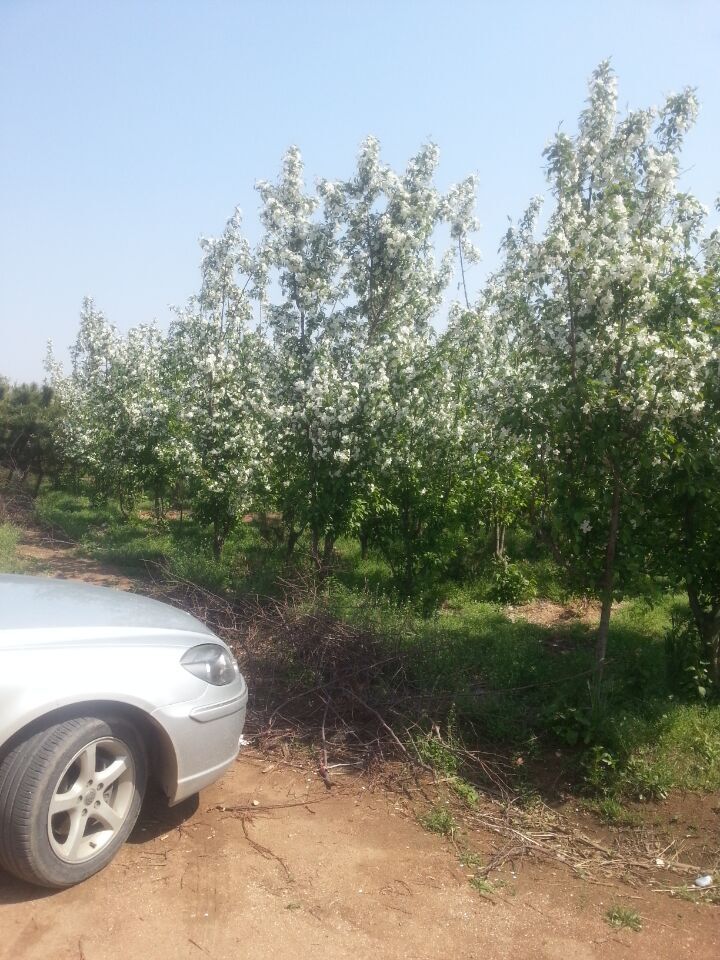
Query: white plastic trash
704, 881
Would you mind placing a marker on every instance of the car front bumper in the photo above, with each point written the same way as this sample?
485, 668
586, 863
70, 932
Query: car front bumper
206, 739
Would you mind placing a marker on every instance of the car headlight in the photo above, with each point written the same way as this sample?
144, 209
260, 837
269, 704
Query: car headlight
211, 663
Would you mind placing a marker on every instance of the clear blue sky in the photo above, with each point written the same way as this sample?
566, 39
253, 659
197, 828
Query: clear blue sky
128, 129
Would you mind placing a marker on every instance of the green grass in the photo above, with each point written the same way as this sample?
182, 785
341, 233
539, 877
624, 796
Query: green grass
508, 687
693, 895
687, 748
611, 810
9, 560
515, 686
623, 918
76, 516
248, 564
439, 820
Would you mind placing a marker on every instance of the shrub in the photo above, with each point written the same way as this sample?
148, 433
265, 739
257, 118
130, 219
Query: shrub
508, 584
688, 674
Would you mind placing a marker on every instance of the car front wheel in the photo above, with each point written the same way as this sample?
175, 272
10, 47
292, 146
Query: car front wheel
69, 797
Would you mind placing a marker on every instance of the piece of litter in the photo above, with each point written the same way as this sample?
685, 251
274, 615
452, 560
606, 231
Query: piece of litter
705, 880
256, 803
659, 862
243, 742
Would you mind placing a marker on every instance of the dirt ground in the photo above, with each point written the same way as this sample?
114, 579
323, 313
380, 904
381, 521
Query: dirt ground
268, 863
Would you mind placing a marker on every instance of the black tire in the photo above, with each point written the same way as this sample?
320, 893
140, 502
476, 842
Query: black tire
31, 774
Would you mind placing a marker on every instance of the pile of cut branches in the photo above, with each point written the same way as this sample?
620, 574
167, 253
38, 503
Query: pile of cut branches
346, 695
342, 690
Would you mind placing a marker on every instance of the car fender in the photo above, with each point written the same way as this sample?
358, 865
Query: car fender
91, 672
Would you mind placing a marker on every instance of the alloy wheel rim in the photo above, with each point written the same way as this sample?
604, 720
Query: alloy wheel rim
91, 800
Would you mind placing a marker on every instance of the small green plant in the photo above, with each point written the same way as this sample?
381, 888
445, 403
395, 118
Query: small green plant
572, 725
441, 821
441, 754
508, 584
466, 791
610, 810
482, 885
623, 918
528, 797
688, 672
468, 858
580, 718
600, 769
436, 754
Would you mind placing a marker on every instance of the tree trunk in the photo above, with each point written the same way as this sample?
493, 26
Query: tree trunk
315, 546
408, 578
708, 624
711, 639
408, 563
711, 644
363, 544
218, 539
328, 547
292, 538
500, 540
608, 581
322, 557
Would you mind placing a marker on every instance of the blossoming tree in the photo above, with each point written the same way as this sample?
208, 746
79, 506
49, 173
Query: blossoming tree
604, 365
215, 371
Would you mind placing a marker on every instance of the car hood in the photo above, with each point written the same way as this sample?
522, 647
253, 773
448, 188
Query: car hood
60, 606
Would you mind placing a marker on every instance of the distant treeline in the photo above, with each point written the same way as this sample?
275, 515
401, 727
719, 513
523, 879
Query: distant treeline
26, 447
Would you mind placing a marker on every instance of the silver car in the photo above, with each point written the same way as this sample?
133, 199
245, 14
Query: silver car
101, 690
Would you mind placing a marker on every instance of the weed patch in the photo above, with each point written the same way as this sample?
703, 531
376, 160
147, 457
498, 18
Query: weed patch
623, 918
441, 821
9, 560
